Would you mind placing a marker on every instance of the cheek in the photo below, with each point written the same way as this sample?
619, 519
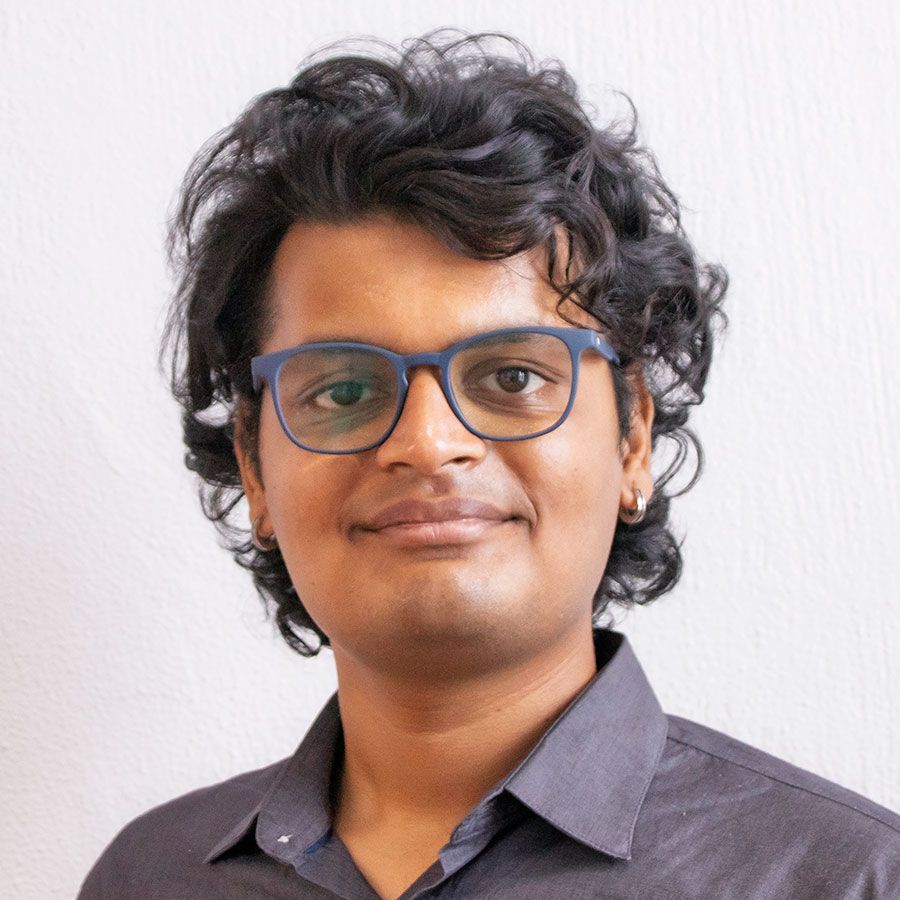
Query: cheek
579, 492
302, 500
576, 480
299, 492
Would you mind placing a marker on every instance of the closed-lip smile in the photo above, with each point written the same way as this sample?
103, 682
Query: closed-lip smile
410, 511
456, 520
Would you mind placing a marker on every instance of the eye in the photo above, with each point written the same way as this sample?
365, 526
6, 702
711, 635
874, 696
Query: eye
505, 379
340, 395
512, 379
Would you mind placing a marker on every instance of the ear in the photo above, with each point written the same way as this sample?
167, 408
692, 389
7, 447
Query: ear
636, 446
254, 490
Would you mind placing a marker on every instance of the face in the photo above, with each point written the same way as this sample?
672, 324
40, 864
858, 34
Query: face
508, 589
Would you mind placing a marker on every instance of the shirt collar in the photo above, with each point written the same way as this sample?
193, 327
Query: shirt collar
587, 775
295, 812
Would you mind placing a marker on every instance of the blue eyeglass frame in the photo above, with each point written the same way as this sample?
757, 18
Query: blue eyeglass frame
267, 367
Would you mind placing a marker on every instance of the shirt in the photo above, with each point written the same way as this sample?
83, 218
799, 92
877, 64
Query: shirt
616, 800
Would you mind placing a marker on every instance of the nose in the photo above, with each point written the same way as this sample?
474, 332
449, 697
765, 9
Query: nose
428, 433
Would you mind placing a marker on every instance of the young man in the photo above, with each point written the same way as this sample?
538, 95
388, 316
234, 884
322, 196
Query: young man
450, 319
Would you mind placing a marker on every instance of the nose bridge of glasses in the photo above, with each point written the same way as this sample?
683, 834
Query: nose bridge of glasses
432, 366
419, 363
413, 361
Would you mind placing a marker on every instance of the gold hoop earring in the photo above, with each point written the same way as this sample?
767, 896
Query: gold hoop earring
265, 544
633, 516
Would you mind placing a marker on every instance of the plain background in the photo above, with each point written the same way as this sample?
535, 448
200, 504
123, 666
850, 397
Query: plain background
135, 661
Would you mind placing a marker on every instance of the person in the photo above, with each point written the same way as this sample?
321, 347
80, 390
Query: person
446, 320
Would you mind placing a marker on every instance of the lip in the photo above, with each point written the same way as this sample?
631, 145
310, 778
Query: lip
455, 520
450, 531
436, 512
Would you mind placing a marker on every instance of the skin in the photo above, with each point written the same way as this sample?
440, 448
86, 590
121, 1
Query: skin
451, 660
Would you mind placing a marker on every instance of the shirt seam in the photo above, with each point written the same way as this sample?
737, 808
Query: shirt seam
785, 783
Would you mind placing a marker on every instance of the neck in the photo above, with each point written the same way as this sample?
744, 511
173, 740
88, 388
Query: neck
427, 752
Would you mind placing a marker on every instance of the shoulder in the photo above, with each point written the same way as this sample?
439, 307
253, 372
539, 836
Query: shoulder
175, 833
812, 829
741, 761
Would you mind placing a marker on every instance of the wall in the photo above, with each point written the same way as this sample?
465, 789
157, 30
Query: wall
135, 661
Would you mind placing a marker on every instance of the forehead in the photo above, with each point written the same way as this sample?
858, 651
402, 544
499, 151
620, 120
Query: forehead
395, 284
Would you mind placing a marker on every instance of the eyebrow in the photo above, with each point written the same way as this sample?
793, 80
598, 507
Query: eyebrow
337, 338
364, 340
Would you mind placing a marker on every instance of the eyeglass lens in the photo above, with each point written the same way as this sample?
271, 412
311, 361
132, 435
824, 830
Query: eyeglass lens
507, 386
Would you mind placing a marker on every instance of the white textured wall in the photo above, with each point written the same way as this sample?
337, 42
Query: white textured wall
134, 661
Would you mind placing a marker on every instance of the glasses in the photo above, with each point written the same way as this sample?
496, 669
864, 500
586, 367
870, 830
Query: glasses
511, 384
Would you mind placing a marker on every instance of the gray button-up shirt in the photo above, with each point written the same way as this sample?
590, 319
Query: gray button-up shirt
616, 800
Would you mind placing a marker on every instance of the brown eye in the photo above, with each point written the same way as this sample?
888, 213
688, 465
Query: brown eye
513, 379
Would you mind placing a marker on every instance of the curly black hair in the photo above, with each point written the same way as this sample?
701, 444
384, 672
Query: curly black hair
494, 153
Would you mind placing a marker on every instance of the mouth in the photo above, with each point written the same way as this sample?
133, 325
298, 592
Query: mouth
450, 531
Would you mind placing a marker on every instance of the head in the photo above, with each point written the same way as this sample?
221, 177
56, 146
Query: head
411, 201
